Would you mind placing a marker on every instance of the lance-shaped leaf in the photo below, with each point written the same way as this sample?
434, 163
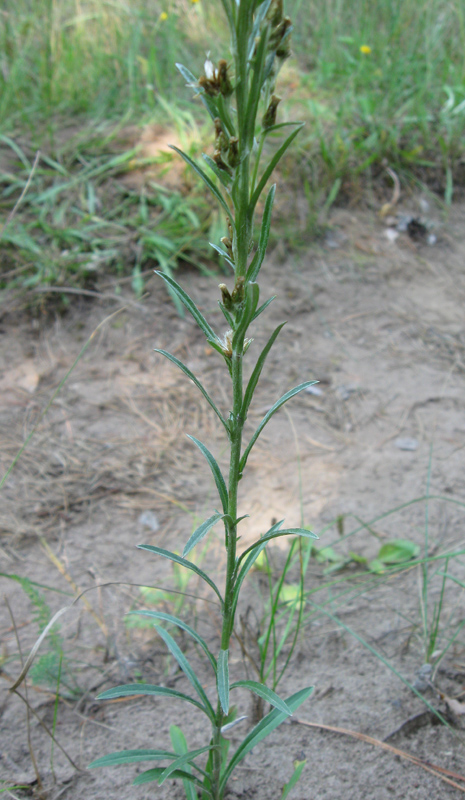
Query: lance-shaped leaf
268, 416
183, 562
266, 693
263, 729
176, 651
130, 757
272, 164
262, 308
180, 624
254, 378
252, 293
151, 775
222, 679
178, 740
136, 689
256, 83
201, 531
286, 532
208, 182
180, 761
223, 254
257, 260
216, 472
195, 380
190, 305
190, 79
221, 174
248, 564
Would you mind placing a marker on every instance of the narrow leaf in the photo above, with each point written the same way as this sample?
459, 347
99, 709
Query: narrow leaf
287, 532
130, 757
259, 256
223, 679
195, 380
187, 75
254, 378
184, 626
214, 190
178, 740
153, 775
136, 689
184, 563
268, 416
298, 768
266, 693
222, 253
262, 308
221, 174
200, 532
274, 161
176, 651
185, 758
263, 729
216, 472
249, 562
190, 305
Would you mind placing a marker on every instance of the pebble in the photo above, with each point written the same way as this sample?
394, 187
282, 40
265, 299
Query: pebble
406, 444
149, 520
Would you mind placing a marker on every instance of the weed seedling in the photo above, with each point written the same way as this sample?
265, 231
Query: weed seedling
239, 97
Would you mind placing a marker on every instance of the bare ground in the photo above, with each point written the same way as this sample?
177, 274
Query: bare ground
380, 324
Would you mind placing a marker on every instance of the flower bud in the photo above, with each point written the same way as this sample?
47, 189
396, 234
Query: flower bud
220, 163
233, 152
269, 117
238, 293
225, 296
224, 83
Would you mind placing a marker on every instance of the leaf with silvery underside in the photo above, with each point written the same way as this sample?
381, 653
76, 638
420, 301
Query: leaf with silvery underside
178, 740
254, 378
268, 416
176, 651
130, 757
183, 563
271, 165
216, 472
200, 532
221, 174
259, 256
286, 532
222, 679
208, 182
191, 80
185, 758
180, 624
267, 694
263, 729
189, 304
195, 380
136, 689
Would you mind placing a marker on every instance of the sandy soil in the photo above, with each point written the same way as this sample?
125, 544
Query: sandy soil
380, 324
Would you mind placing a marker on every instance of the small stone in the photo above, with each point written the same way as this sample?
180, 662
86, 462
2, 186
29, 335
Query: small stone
149, 520
314, 390
423, 678
406, 444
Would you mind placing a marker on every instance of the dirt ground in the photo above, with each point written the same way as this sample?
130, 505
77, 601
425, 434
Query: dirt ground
378, 319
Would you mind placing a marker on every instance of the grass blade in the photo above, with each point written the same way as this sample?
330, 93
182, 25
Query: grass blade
266, 693
222, 677
216, 472
263, 729
176, 651
200, 532
180, 624
192, 377
268, 416
183, 563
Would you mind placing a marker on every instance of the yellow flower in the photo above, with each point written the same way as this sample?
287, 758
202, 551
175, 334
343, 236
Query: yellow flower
365, 49
163, 16
194, 1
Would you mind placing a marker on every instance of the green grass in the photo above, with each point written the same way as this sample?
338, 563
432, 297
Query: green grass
98, 65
